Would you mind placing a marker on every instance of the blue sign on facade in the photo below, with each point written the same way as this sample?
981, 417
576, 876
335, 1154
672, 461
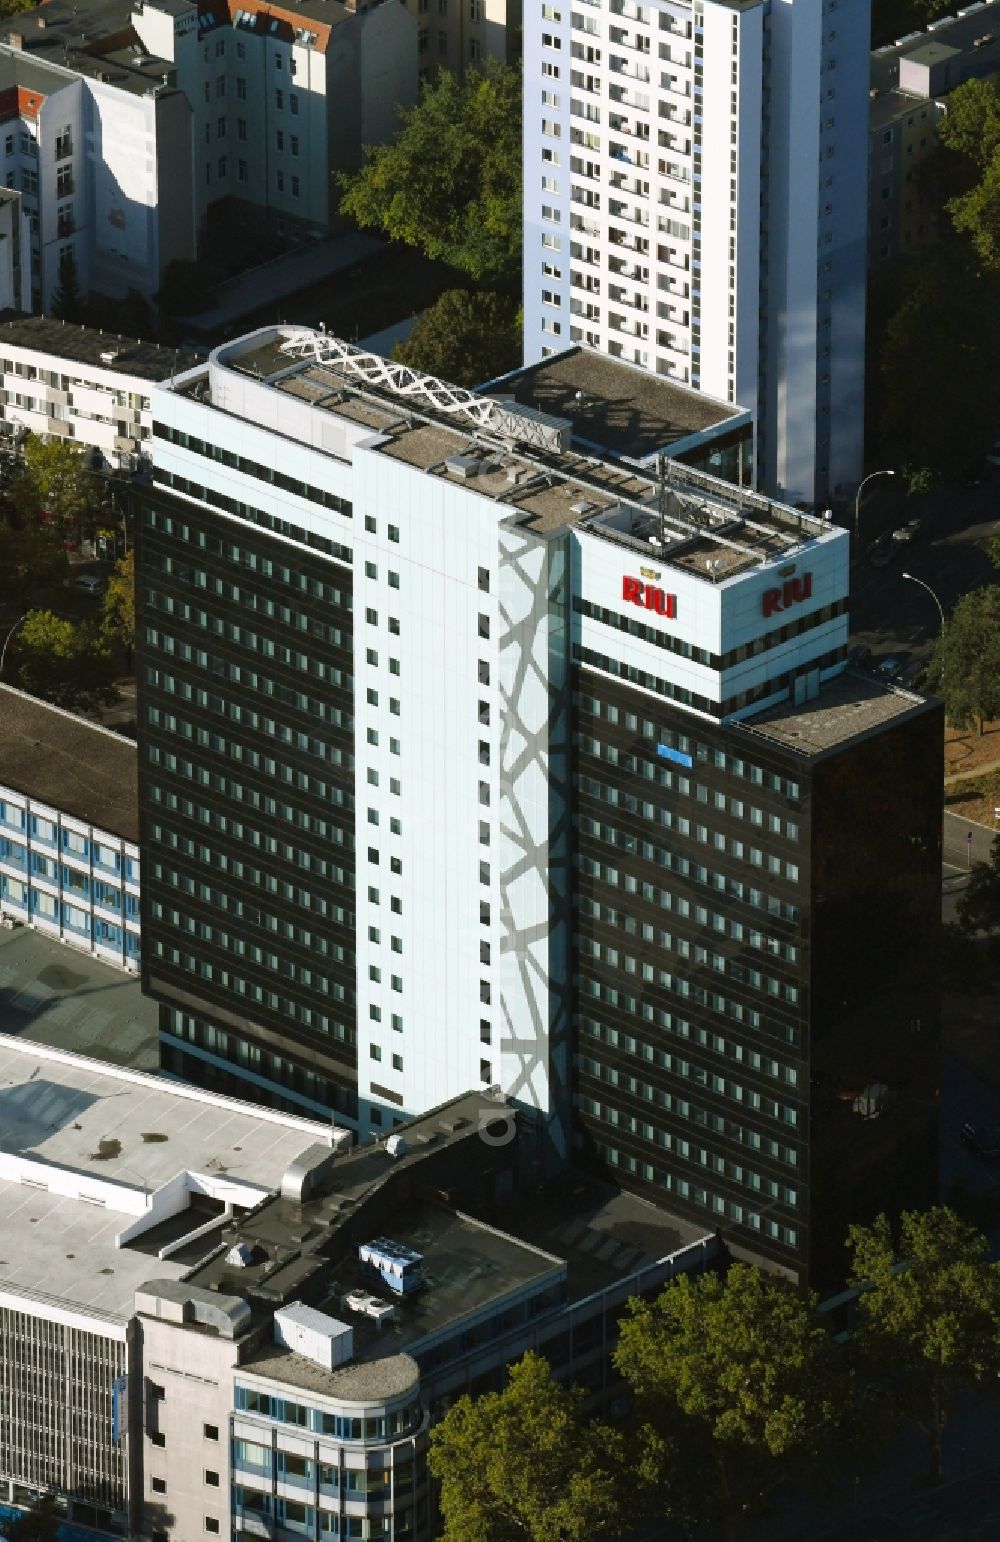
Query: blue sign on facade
670, 754
119, 1407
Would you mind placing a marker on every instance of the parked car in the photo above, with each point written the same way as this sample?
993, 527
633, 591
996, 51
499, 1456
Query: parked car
888, 668
982, 1143
91, 583
880, 552
911, 531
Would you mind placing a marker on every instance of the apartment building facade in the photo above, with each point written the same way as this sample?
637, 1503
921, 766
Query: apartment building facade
463, 35
695, 191
258, 103
911, 81
382, 626
69, 831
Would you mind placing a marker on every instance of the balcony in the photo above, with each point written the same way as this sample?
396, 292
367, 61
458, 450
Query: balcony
65, 185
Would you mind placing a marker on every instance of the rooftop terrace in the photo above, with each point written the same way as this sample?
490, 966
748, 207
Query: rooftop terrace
69, 763
522, 457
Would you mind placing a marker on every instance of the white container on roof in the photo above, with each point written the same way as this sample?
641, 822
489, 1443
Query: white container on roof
314, 1335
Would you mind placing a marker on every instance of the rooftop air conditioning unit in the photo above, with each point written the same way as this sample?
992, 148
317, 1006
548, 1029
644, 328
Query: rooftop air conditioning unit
109, 356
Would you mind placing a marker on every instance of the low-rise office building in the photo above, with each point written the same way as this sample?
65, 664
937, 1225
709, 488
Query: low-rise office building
83, 385
191, 1315
69, 829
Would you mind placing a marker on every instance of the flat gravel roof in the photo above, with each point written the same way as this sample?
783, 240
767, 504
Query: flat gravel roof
71, 764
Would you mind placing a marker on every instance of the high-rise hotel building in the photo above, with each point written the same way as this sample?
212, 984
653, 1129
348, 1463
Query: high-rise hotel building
472, 756
695, 191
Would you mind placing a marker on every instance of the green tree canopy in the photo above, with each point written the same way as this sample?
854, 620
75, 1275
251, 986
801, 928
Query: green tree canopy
928, 1315
739, 1374
978, 907
450, 184
965, 667
525, 1464
64, 662
119, 601
971, 126
465, 338
31, 557
55, 480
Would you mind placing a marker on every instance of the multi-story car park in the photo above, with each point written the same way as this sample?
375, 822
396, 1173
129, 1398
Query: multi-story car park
69, 829
191, 1346
695, 191
469, 754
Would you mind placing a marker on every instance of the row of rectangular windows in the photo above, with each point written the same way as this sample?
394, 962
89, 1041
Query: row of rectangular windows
246, 716
624, 840
262, 1062
260, 643
725, 1087
612, 794
237, 830
590, 948
290, 893
253, 515
204, 969
251, 599
243, 557
107, 896
688, 698
242, 911
12, 817
714, 1000
617, 1038
716, 661
733, 887
239, 792
723, 924
221, 861
684, 1189
698, 751
240, 947
236, 751
747, 1177
16, 892
253, 468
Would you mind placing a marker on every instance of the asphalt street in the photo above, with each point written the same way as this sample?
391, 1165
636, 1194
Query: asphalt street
894, 617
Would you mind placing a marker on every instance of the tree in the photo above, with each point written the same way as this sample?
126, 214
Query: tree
31, 557
465, 338
39, 1524
525, 1463
965, 666
450, 184
739, 1375
65, 663
67, 302
977, 214
55, 483
971, 126
928, 1315
978, 908
119, 601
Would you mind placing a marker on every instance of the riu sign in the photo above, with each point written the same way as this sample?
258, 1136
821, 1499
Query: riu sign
649, 597
792, 592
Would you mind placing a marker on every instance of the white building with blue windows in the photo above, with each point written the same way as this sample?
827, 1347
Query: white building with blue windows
69, 855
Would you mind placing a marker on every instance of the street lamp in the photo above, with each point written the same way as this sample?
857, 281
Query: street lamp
857, 498
930, 591
10, 632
